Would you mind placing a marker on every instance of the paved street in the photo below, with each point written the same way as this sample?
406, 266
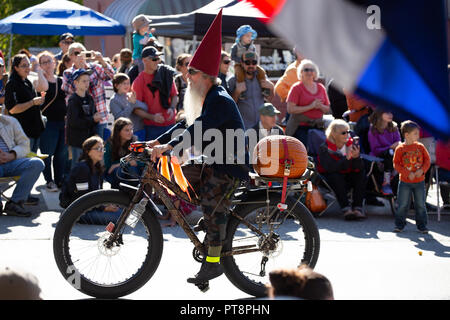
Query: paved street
363, 260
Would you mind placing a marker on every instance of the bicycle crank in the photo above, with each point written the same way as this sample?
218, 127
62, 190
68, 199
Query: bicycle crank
204, 286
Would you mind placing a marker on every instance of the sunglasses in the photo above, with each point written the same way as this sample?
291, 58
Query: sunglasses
345, 132
46, 62
76, 53
186, 63
156, 59
309, 70
68, 42
101, 149
226, 61
193, 71
251, 62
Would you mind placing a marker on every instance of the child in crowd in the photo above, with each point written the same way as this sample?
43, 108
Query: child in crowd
81, 114
117, 147
245, 35
141, 35
383, 138
412, 161
124, 104
87, 176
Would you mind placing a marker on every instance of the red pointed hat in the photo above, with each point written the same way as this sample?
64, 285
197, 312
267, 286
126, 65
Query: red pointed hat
207, 56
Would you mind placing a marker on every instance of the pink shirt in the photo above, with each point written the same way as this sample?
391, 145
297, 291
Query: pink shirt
300, 96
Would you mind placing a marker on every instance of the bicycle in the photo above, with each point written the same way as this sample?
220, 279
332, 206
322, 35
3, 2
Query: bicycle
117, 260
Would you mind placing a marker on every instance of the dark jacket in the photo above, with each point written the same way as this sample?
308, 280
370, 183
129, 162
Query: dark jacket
163, 82
220, 112
19, 91
80, 119
330, 160
80, 181
276, 130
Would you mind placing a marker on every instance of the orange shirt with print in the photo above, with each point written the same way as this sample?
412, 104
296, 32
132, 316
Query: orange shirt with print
410, 158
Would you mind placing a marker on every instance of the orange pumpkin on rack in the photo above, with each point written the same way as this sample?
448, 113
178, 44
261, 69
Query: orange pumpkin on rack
274, 154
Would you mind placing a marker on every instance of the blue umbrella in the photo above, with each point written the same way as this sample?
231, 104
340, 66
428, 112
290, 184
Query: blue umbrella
54, 17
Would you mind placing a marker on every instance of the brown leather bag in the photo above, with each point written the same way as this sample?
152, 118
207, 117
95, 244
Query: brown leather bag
314, 201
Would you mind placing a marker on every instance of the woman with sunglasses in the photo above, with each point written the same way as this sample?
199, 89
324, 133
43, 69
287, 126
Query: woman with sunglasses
225, 61
54, 108
343, 168
307, 98
22, 100
181, 78
87, 176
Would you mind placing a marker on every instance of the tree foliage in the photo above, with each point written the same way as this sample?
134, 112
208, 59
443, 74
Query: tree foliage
8, 8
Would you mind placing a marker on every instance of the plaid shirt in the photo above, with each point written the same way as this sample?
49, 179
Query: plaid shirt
96, 87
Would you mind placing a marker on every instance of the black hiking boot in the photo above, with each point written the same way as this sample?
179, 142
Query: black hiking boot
208, 271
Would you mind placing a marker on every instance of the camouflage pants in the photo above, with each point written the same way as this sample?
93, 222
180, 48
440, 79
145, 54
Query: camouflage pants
214, 189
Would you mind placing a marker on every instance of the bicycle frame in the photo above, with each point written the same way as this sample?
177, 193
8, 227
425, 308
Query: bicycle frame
151, 178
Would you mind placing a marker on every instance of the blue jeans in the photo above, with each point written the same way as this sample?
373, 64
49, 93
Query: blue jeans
34, 144
100, 130
405, 190
76, 153
302, 134
28, 169
140, 135
52, 143
100, 217
153, 132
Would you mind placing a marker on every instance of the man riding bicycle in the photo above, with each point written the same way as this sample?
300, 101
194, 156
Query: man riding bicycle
208, 106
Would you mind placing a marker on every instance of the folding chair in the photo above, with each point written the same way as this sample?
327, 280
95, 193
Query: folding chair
7, 183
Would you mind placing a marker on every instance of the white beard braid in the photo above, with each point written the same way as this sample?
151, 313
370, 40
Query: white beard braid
192, 104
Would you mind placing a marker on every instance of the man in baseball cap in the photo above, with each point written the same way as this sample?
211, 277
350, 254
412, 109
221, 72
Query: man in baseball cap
65, 40
151, 52
267, 125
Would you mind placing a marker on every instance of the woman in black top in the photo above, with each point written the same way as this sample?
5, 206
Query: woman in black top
52, 141
22, 102
87, 176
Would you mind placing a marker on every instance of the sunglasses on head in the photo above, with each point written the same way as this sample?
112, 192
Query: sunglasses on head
251, 62
309, 70
192, 71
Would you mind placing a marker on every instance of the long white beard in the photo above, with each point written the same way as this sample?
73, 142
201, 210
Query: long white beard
193, 103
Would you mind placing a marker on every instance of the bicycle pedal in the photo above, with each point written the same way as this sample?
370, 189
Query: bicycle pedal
204, 286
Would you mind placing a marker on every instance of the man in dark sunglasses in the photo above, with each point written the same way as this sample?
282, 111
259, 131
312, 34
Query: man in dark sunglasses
155, 87
65, 40
255, 88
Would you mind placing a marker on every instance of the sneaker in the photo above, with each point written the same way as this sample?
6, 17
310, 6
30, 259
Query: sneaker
16, 209
51, 186
398, 230
31, 201
386, 189
424, 231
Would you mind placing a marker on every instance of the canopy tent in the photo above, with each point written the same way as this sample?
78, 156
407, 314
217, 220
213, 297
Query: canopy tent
235, 14
55, 17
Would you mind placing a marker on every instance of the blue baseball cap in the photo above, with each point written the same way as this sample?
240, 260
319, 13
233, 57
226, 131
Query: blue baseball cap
79, 72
